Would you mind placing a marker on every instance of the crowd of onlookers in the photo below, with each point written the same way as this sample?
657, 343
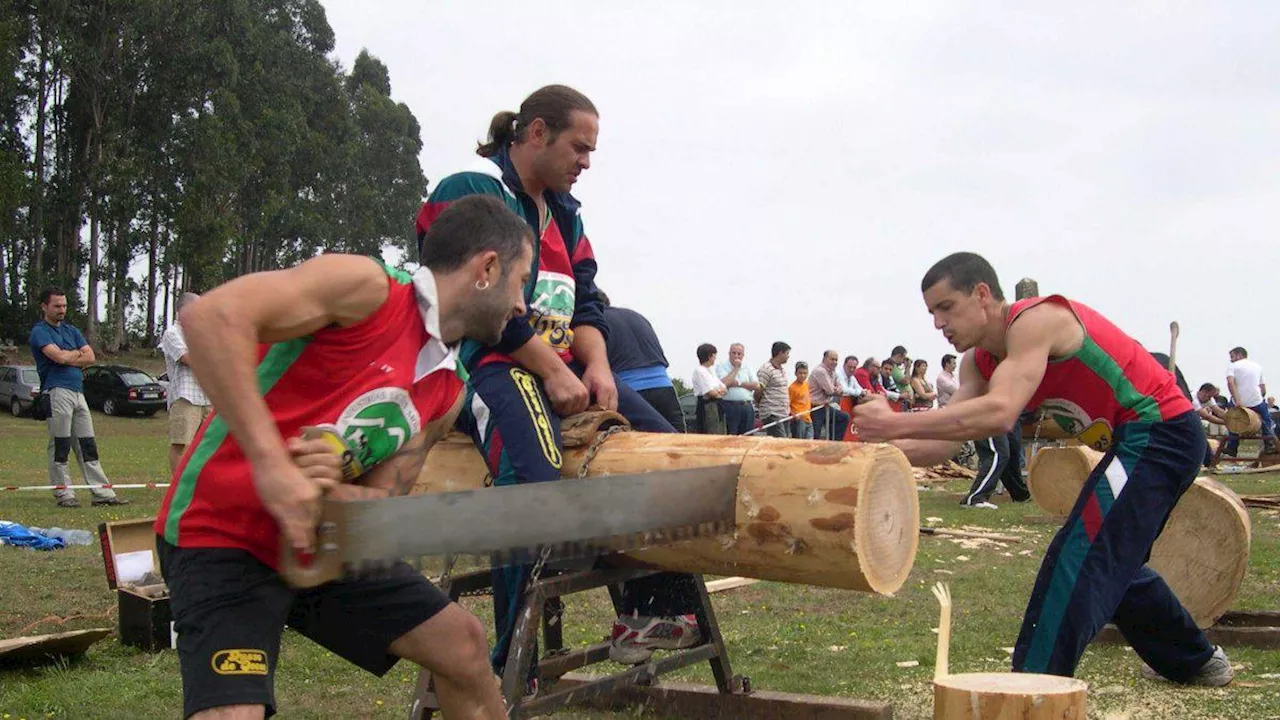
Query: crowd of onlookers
813, 401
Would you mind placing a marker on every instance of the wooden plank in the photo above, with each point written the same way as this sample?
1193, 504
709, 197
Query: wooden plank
673, 699
1264, 638
731, 583
37, 647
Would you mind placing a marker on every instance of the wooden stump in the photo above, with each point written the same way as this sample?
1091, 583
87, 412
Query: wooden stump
1203, 551
832, 514
1056, 475
1243, 421
1008, 696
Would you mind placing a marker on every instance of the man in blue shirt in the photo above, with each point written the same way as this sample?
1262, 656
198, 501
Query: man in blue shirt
637, 359
739, 408
60, 353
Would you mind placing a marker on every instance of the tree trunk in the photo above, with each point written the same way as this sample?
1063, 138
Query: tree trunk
91, 319
1203, 551
37, 190
151, 280
821, 513
1008, 696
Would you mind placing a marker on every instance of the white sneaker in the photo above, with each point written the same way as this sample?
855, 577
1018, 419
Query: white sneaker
1216, 671
983, 505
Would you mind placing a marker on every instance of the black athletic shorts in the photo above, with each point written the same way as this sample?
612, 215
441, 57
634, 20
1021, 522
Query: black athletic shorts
229, 611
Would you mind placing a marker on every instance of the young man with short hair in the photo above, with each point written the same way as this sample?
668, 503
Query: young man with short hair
1089, 377
61, 353
775, 403
1248, 389
339, 340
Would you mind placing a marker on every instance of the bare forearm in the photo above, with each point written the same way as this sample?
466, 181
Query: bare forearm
588, 346
981, 417
224, 353
927, 453
538, 357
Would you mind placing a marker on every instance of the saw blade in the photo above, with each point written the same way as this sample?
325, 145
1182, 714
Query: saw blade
518, 523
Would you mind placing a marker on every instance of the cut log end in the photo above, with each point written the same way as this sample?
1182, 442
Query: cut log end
887, 525
1008, 696
1243, 421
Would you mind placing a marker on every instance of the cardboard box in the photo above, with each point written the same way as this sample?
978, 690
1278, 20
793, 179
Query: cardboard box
133, 570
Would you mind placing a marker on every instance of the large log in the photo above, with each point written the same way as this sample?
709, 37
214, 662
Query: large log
1203, 551
1243, 421
1008, 696
831, 514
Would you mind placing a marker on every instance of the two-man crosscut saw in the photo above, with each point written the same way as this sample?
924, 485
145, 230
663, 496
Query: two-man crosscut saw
519, 523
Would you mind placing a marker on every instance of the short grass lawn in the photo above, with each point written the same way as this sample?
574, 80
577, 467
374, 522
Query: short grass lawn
785, 637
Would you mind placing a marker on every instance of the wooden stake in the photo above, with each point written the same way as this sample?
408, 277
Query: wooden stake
943, 593
1173, 345
732, 583
969, 534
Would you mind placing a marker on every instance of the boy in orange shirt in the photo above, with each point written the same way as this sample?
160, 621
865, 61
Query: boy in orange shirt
801, 426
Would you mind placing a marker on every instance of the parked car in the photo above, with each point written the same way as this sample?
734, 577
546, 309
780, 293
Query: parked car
164, 382
119, 390
19, 385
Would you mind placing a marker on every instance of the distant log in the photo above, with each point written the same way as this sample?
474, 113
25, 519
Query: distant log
1243, 421
1204, 550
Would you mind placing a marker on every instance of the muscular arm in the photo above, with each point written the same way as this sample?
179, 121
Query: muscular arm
1030, 343
588, 346
926, 453
1231, 390
224, 327
537, 356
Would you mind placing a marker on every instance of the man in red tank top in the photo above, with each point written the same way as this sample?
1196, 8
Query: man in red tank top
345, 341
1071, 364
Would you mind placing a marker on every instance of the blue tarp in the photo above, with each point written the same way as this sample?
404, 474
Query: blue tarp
12, 533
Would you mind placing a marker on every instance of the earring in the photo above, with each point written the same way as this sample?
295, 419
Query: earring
482, 285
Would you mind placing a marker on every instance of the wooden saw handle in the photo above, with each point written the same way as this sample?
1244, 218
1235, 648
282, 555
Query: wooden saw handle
324, 566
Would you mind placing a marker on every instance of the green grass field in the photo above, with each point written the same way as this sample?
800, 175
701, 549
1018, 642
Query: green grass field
785, 637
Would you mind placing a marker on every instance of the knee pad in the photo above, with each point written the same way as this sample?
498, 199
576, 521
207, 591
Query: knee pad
89, 449
61, 449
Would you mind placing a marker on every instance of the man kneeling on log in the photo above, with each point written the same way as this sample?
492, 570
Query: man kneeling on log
1067, 360
336, 340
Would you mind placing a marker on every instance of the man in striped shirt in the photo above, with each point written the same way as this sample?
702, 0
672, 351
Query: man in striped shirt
775, 404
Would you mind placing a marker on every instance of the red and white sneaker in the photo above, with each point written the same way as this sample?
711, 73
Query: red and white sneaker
635, 638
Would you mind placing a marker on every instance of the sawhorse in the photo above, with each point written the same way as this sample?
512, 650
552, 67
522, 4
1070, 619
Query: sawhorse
543, 608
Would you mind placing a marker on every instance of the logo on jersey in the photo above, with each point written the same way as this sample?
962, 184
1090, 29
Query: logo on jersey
551, 311
378, 423
239, 662
1073, 420
527, 386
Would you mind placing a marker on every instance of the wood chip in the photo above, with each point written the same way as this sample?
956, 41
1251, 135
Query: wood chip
908, 663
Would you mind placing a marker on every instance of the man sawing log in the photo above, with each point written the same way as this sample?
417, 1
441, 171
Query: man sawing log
1065, 359
343, 341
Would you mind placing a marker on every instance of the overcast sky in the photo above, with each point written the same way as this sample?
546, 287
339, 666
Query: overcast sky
790, 172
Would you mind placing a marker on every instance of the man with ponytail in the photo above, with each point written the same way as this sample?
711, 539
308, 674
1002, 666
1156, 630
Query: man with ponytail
552, 363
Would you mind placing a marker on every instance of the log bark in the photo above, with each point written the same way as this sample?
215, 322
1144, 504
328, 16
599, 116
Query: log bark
1203, 551
1008, 696
831, 514
1243, 421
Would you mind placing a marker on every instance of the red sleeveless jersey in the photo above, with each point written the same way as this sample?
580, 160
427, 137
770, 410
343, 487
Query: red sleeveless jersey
380, 381
1109, 381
